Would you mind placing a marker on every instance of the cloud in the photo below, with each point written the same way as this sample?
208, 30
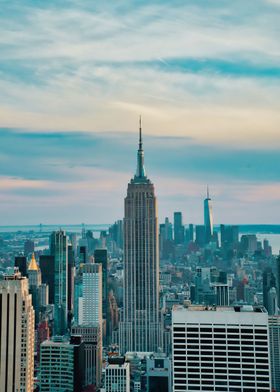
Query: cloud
94, 68
75, 75
73, 177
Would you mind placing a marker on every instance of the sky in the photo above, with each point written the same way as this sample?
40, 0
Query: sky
76, 75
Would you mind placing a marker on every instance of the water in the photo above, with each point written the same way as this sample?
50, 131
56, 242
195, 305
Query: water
50, 228
274, 241
269, 232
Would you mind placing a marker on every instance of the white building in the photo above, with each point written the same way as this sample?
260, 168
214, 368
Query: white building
88, 295
220, 349
16, 335
117, 377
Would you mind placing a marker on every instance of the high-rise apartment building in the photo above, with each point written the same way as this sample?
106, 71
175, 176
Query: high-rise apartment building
274, 340
62, 365
208, 218
88, 295
16, 335
140, 326
117, 377
59, 250
220, 349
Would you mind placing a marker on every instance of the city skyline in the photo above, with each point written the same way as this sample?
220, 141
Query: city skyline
139, 196
72, 94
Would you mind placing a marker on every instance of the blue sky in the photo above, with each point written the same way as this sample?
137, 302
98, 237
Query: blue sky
75, 75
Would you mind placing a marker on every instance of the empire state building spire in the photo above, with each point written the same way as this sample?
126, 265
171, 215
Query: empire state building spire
140, 173
139, 328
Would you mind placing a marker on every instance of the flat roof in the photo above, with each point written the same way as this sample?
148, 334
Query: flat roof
233, 308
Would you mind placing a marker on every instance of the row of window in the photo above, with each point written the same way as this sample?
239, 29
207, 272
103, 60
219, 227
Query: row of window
215, 329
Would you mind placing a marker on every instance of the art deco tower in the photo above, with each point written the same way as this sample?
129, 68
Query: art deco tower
208, 218
140, 326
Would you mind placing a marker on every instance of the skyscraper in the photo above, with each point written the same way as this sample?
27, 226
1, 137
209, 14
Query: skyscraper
278, 278
62, 365
179, 231
101, 257
274, 339
88, 295
35, 281
16, 335
59, 249
139, 329
21, 264
47, 269
117, 375
221, 349
269, 282
208, 218
92, 339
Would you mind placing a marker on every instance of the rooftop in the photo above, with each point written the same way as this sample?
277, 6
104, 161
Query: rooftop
236, 308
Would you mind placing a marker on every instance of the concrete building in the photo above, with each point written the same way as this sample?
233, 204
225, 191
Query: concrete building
220, 349
117, 377
61, 365
16, 335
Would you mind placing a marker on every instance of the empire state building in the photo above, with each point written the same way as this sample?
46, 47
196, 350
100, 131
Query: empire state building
139, 330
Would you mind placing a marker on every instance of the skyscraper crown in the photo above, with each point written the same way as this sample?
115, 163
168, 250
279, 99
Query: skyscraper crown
140, 175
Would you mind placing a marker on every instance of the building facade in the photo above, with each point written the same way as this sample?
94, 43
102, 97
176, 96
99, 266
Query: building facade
117, 377
59, 250
16, 335
92, 339
88, 295
139, 330
220, 349
61, 365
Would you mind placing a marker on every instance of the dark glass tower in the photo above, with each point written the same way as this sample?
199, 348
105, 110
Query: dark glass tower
59, 249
